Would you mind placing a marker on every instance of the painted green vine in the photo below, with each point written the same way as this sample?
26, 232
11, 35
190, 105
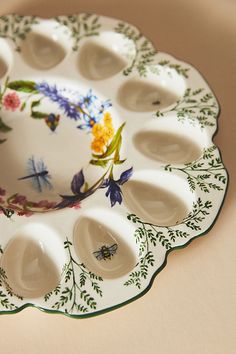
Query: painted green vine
195, 106
6, 291
73, 297
145, 51
80, 26
149, 235
177, 67
16, 27
206, 173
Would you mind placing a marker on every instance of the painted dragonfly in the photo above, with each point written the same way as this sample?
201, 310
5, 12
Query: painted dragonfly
38, 174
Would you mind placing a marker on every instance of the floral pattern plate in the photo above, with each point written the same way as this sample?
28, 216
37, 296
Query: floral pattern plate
107, 162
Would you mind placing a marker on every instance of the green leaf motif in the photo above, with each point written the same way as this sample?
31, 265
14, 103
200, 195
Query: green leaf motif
196, 107
16, 27
80, 26
206, 173
6, 292
148, 236
113, 144
71, 294
177, 67
144, 49
101, 163
3, 127
22, 86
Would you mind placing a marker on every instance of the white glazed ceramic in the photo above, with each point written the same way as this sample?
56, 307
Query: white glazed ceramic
107, 162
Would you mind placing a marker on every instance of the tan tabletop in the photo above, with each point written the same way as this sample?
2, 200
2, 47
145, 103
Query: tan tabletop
191, 308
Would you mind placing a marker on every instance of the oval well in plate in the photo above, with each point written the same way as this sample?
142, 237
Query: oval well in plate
158, 197
104, 243
170, 141
103, 57
31, 265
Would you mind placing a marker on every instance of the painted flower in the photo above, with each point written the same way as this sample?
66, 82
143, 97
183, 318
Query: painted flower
107, 118
89, 99
98, 145
2, 192
102, 134
19, 199
46, 204
98, 130
11, 101
88, 108
25, 213
113, 187
79, 190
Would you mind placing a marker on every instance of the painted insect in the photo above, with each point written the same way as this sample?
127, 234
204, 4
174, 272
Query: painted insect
106, 252
52, 121
38, 173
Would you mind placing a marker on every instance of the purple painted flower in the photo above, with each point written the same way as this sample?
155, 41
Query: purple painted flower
76, 186
114, 190
54, 95
88, 108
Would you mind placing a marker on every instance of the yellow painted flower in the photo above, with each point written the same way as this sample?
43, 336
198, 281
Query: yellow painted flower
98, 144
98, 130
102, 133
108, 133
107, 119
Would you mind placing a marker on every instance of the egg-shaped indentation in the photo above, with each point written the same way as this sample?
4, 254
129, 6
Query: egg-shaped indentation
42, 51
105, 56
31, 265
169, 141
158, 197
5, 58
154, 92
3, 67
141, 96
105, 243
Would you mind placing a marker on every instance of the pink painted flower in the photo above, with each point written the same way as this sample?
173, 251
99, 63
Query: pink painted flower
11, 101
19, 199
2, 192
75, 205
42, 204
51, 205
25, 213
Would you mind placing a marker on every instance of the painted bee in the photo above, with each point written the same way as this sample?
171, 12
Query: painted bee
106, 252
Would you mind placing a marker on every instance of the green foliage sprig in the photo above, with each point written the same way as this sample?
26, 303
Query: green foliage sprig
145, 50
71, 292
177, 67
205, 173
80, 26
195, 106
6, 291
16, 27
149, 236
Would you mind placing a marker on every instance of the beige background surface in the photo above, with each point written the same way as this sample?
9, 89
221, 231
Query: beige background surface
191, 308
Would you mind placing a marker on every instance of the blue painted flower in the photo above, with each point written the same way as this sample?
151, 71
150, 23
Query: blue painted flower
77, 184
89, 109
53, 94
114, 190
89, 99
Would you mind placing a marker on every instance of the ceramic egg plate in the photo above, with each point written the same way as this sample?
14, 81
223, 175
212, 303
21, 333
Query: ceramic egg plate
107, 162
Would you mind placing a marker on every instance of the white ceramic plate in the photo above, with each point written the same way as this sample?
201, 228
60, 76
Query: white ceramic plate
107, 162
